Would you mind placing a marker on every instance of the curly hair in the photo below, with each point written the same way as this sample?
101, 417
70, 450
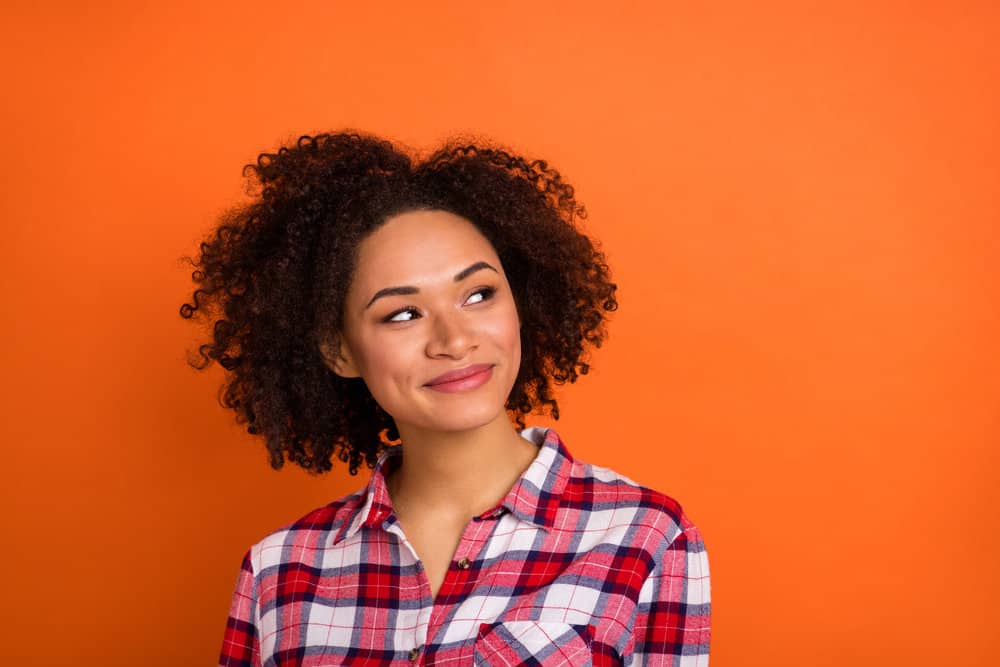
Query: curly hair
273, 274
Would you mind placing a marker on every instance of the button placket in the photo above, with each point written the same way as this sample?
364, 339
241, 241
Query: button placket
472, 542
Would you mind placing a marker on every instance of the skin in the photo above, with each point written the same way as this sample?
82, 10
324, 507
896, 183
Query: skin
463, 453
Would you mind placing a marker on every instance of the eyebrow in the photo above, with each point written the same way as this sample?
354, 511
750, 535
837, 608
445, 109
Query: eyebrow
409, 289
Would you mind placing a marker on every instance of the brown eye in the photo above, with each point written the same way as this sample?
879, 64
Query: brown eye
486, 292
394, 317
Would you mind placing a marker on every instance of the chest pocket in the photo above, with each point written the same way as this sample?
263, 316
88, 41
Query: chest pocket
536, 643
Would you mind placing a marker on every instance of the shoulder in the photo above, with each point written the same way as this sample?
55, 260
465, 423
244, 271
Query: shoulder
299, 540
654, 519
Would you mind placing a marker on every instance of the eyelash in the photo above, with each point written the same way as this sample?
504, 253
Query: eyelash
487, 293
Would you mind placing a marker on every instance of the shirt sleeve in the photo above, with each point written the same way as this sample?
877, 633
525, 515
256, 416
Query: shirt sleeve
673, 616
240, 645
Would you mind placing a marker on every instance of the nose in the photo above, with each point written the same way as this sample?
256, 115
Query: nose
451, 336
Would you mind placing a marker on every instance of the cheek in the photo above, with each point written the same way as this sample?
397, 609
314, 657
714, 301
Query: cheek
386, 373
381, 361
508, 332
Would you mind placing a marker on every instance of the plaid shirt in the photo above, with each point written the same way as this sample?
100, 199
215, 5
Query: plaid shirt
577, 565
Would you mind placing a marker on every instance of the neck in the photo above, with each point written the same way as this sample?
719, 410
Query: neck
458, 474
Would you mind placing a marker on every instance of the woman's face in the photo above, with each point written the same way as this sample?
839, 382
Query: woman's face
429, 303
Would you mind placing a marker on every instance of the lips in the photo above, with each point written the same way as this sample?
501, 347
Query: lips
459, 374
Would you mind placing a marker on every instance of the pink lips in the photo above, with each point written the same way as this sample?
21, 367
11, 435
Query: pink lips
462, 379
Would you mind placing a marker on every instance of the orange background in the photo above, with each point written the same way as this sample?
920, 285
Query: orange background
799, 201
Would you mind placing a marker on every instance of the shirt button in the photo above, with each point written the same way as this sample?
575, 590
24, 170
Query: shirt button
414, 654
464, 564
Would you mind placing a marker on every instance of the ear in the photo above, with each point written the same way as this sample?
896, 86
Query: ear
338, 358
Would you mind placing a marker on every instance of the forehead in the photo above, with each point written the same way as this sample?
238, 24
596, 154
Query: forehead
420, 248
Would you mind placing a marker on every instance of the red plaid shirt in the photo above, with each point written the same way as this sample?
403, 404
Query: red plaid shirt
577, 565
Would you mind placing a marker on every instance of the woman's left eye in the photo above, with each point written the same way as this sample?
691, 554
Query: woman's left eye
485, 292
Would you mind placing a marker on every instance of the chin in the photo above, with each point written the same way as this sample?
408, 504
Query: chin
465, 423
462, 419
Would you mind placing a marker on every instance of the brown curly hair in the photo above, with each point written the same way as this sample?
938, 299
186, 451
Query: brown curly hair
273, 274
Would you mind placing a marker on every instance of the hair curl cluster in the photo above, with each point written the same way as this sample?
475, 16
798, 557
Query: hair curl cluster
273, 274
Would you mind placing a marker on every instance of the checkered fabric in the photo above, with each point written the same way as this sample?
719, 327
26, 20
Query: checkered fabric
578, 565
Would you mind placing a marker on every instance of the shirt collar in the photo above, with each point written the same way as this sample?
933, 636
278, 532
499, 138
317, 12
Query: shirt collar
534, 498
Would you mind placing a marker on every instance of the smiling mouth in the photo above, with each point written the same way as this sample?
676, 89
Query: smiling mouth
462, 379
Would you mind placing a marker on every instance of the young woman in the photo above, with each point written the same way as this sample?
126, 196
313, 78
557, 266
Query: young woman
407, 314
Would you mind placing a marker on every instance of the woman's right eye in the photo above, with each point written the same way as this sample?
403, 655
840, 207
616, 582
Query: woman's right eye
397, 316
